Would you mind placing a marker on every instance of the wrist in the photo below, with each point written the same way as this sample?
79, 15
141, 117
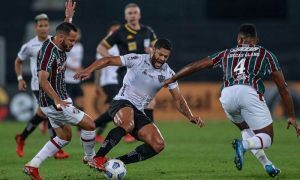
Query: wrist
19, 77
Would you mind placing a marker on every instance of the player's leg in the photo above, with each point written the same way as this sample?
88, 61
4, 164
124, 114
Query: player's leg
63, 137
154, 144
60, 154
124, 120
101, 122
87, 135
30, 127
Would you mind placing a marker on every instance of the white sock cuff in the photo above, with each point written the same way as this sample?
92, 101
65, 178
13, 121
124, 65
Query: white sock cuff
87, 135
247, 133
59, 143
265, 140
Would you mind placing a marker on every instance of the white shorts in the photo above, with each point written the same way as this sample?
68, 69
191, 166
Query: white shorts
68, 115
242, 103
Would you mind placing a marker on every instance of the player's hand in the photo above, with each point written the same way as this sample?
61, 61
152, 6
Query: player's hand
83, 75
168, 81
293, 121
60, 104
22, 85
70, 8
197, 120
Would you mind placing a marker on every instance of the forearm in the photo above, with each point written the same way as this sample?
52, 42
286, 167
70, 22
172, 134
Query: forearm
288, 102
103, 51
193, 67
183, 107
46, 86
18, 67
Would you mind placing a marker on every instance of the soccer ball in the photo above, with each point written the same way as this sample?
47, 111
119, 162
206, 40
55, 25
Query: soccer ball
115, 169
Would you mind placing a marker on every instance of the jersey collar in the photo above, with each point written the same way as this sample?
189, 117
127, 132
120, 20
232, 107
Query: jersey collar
130, 29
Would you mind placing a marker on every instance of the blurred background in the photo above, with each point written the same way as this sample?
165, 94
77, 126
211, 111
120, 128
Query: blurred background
197, 28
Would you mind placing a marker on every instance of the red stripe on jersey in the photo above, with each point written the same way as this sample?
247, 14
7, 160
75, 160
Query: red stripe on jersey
46, 56
53, 76
226, 83
271, 62
218, 58
259, 60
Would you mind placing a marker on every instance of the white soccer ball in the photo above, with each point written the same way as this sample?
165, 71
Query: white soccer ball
115, 169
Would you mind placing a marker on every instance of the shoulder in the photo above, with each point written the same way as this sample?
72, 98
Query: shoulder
147, 28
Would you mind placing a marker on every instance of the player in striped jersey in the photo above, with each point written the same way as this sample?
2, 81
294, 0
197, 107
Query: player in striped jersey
244, 67
29, 51
55, 102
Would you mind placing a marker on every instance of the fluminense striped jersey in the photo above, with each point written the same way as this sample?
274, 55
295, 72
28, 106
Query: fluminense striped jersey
52, 60
246, 64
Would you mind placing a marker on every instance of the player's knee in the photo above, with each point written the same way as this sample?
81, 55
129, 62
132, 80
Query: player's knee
159, 145
128, 126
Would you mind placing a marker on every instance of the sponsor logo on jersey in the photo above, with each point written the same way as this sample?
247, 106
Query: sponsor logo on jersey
132, 46
244, 49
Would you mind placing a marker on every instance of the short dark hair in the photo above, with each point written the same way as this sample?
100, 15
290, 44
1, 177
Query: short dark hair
163, 43
66, 28
248, 30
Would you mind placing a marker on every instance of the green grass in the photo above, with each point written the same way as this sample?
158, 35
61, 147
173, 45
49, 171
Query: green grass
190, 153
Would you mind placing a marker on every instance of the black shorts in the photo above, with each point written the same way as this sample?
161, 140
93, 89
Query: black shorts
140, 119
111, 91
74, 90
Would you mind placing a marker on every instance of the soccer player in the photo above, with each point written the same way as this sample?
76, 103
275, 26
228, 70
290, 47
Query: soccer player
108, 81
29, 51
54, 100
244, 67
132, 37
74, 64
144, 78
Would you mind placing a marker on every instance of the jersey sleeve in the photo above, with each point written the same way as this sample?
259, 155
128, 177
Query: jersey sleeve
130, 60
111, 39
217, 58
273, 64
45, 60
153, 36
24, 52
173, 85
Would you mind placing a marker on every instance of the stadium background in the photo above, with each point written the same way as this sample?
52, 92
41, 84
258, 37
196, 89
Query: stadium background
196, 28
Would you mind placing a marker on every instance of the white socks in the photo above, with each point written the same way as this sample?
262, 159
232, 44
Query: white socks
88, 142
258, 153
49, 149
258, 141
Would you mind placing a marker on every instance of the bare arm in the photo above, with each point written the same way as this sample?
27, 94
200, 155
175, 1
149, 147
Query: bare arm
190, 69
18, 70
70, 10
98, 64
279, 80
46, 86
183, 107
103, 50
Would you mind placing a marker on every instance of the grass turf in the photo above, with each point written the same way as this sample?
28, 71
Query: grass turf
190, 153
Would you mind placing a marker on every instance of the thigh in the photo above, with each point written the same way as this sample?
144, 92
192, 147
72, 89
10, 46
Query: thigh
230, 105
255, 111
150, 134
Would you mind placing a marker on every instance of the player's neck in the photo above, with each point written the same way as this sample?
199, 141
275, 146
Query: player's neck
135, 26
42, 39
57, 43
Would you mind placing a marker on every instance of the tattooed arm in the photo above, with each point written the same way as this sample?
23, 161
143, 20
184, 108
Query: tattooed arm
183, 107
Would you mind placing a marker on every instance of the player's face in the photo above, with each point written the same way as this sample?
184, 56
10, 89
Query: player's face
132, 15
69, 41
42, 28
160, 57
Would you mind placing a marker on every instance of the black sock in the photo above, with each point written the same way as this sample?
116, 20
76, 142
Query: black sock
51, 131
30, 127
149, 113
102, 121
141, 153
112, 139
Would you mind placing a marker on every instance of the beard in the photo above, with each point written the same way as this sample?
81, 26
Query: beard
65, 47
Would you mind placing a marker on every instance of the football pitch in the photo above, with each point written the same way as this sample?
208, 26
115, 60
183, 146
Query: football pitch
190, 153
